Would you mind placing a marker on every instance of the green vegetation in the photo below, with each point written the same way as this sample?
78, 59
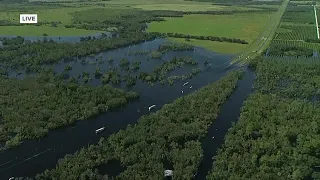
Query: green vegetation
111, 76
246, 26
265, 37
242, 2
39, 30
114, 74
221, 47
283, 50
295, 77
31, 55
187, 7
48, 15
169, 135
277, 133
159, 73
273, 139
211, 38
296, 34
299, 14
277, 136
164, 48
32, 106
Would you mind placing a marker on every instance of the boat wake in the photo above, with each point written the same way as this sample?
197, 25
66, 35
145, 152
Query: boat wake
5, 163
27, 159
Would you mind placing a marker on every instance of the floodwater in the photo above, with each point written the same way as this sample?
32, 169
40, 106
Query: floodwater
71, 39
35, 156
229, 113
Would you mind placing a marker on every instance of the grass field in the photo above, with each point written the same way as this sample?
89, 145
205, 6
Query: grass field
243, 26
246, 26
56, 14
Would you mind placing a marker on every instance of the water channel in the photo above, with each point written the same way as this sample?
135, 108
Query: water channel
35, 156
229, 114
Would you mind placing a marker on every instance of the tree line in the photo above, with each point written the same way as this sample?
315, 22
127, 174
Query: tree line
312, 40
211, 38
288, 50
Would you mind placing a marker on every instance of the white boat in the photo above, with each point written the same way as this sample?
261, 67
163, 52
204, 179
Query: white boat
190, 87
100, 130
151, 107
185, 83
12, 178
168, 173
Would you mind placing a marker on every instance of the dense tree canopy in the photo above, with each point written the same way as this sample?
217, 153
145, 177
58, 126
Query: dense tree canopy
277, 135
32, 106
289, 50
274, 139
168, 137
292, 78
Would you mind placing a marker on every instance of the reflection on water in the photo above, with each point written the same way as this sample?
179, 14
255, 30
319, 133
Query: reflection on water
229, 113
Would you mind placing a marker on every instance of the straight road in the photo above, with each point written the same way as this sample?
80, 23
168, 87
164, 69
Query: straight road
264, 39
315, 16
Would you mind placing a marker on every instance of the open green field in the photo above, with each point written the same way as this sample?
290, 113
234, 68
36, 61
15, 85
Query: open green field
57, 14
245, 26
63, 15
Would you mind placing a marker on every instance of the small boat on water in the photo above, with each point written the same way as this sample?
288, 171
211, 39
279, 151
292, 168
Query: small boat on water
100, 130
186, 83
190, 87
12, 178
168, 173
182, 92
151, 107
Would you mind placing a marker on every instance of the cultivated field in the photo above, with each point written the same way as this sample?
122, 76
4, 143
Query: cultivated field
245, 26
45, 14
296, 34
